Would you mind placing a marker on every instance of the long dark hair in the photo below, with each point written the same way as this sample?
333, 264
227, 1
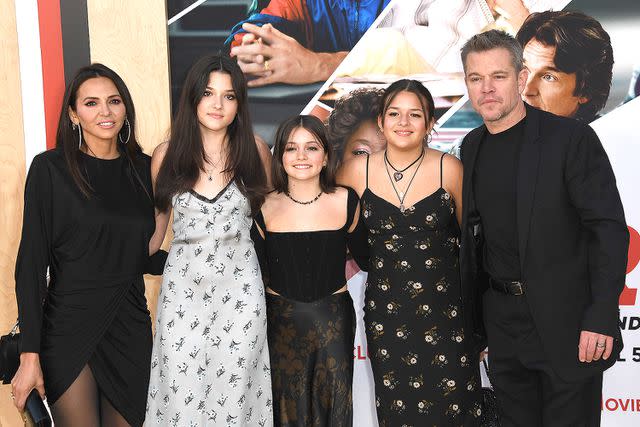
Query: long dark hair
68, 140
185, 155
312, 124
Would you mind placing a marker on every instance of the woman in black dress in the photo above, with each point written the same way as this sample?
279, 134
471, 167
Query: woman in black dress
301, 237
88, 218
424, 365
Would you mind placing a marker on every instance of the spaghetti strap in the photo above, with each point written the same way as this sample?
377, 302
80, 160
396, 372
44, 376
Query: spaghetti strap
441, 158
367, 173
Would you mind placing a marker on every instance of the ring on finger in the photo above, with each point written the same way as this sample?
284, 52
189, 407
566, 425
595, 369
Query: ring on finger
266, 65
601, 345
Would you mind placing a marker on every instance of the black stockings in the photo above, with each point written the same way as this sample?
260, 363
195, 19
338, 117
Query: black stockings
83, 405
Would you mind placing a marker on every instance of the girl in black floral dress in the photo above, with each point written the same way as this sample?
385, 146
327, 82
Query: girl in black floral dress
425, 370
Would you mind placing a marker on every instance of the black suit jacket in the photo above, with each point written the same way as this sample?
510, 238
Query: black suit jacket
572, 237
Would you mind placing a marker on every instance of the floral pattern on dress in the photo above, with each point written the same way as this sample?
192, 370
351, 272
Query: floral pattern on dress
422, 370
210, 363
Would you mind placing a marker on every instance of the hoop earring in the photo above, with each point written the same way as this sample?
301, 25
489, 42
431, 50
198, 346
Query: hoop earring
77, 126
126, 122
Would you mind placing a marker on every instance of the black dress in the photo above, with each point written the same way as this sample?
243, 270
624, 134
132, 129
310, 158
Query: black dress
310, 328
96, 250
424, 370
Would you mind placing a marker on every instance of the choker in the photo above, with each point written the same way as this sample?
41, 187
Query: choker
398, 173
304, 203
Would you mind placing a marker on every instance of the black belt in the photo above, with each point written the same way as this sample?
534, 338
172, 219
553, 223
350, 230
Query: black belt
509, 287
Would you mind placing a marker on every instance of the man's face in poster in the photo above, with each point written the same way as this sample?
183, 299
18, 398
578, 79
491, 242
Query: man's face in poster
547, 87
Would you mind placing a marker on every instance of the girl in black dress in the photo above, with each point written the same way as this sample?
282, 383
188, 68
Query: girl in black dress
88, 218
301, 237
424, 366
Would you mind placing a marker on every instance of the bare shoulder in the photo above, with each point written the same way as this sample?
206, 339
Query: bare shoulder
451, 164
271, 204
341, 194
158, 155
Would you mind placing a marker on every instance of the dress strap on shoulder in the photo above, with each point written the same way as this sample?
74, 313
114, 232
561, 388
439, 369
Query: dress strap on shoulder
367, 173
352, 205
441, 158
259, 219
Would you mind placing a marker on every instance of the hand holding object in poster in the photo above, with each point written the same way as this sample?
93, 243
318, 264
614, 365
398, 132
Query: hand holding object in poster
274, 57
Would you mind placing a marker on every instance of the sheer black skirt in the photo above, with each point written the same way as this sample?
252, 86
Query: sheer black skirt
311, 351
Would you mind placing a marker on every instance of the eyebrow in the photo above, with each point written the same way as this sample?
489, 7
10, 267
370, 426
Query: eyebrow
226, 90
304, 142
546, 68
397, 108
108, 97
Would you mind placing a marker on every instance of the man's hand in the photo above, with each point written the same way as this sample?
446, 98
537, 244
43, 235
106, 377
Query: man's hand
274, 57
594, 346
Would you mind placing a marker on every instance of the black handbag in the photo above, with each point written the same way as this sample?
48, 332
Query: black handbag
35, 413
490, 410
9, 355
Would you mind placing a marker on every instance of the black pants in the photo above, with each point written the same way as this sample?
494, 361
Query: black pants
529, 391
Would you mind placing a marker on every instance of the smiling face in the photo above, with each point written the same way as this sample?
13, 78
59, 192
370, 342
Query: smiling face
404, 123
494, 86
547, 87
303, 156
218, 106
99, 110
365, 140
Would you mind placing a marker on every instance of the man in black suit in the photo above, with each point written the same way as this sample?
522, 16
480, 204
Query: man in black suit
544, 225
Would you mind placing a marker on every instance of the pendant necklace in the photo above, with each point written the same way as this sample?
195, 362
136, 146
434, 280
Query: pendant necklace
401, 195
209, 172
398, 173
304, 203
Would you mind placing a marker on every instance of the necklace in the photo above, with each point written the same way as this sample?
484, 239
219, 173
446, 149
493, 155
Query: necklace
397, 175
304, 203
401, 195
215, 165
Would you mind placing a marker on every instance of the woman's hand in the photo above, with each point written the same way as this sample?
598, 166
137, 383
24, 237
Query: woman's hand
28, 377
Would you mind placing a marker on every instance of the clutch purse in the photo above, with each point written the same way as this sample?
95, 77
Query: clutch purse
35, 413
490, 410
9, 355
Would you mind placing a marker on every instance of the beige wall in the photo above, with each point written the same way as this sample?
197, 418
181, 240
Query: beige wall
12, 175
131, 38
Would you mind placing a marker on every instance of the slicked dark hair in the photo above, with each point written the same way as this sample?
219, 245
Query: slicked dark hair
314, 125
349, 113
489, 40
185, 156
412, 86
583, 48
67, 138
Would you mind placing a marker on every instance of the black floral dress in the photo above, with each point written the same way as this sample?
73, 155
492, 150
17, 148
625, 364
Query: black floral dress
424, 372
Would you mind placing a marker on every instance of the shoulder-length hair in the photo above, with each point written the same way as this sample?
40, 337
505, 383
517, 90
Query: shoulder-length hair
312, 124
185, 155
67, 138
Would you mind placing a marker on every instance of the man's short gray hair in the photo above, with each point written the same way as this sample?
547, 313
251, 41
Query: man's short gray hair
493, 39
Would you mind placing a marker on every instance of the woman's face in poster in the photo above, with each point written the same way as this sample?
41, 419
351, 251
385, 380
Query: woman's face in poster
366, 139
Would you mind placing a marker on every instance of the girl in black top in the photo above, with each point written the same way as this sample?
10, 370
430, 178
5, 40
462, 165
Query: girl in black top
301, 237
88, 218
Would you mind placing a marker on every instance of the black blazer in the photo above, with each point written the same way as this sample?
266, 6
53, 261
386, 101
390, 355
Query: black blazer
572, 237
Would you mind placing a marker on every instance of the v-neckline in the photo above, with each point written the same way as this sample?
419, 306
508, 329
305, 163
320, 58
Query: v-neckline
208, 200
410, 207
